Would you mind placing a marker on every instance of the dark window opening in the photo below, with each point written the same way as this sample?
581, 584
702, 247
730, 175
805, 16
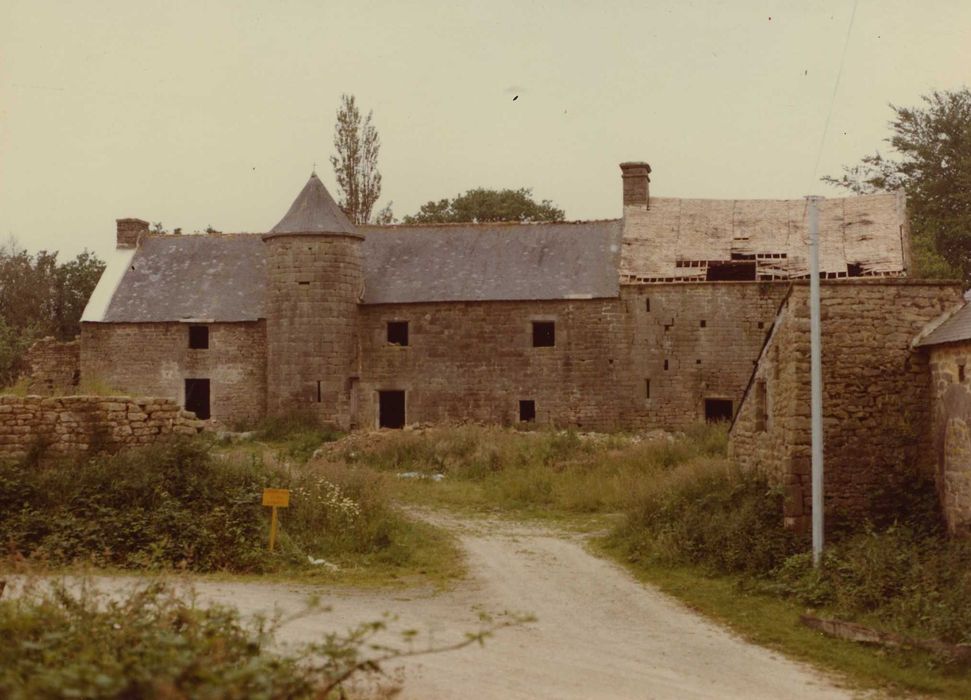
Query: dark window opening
527, 411
198, 337
391, 409
647, 388
398, 333
761, 325
697, 362
197, 397
854, 270
304, 283
665, 364
718, 410
647, 304
544, 334
704, 324
730, 271
761, 406
320, 392
960, 373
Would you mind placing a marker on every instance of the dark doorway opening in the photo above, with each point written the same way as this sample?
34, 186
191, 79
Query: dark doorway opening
527, 411
197, 397
718, 410
391, 409
730, 271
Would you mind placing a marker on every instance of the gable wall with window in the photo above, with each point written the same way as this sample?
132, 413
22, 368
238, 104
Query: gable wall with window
154, 359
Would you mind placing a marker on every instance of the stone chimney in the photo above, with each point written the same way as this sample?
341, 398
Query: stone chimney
130, 231
636, 184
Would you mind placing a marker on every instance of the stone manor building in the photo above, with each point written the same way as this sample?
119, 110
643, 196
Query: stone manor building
652, 320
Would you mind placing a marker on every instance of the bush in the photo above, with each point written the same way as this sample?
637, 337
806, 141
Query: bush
708, 512
61, 641
911, 583
174, 504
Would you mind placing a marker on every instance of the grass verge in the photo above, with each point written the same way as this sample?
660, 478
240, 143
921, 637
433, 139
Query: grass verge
773, 622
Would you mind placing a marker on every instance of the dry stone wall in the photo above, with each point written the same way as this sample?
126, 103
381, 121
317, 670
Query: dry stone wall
876, 392
53, 367
72, 424
950, 366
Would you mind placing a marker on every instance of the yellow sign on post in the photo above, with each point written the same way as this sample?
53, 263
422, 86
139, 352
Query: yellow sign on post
275, 498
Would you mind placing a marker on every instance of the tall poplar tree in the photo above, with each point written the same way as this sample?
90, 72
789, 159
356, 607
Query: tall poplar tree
355, 163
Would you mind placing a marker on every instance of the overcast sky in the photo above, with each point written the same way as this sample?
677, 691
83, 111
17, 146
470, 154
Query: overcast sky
213, 113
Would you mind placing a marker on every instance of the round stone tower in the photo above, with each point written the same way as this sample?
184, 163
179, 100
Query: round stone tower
314, 286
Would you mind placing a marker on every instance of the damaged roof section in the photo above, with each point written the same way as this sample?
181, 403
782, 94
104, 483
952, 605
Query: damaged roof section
490, 262
698, 239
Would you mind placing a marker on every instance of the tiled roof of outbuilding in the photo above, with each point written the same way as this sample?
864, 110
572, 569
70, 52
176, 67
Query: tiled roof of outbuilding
955, 329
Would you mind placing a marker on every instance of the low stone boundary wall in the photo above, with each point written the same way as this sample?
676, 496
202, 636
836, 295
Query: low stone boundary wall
71, 424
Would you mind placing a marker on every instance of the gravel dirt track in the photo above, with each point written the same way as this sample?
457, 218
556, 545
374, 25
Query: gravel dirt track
598, 633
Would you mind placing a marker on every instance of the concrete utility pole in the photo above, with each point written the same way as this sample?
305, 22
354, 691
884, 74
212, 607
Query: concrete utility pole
816, 371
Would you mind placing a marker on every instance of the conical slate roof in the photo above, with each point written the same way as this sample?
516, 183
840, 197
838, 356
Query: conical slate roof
313, 211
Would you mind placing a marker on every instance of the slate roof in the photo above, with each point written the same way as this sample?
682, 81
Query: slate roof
955, 329
222, 277
478, 262
313, 211
174, 278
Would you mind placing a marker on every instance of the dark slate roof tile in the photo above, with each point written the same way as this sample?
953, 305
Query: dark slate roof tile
172, 278
478, 262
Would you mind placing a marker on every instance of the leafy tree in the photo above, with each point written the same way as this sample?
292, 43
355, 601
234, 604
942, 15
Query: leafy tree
356, 163
482, 205
933, 166
39, 297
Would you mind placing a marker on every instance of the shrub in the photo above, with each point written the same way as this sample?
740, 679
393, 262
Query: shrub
60, 641
174, 504
708, 512
170, 504
904, 580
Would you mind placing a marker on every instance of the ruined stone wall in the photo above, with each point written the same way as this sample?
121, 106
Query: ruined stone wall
475, 360
950, 367
154, 359
876, 392
71, 424
53, 367
315, 285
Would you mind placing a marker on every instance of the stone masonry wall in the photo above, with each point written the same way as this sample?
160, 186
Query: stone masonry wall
876, 392
53, 367
951, 432
474, 361
154, 359
315, 285
72, 424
